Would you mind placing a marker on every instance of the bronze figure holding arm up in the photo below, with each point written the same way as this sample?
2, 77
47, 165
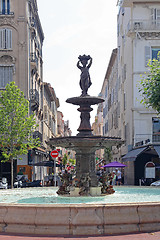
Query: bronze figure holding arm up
85, 80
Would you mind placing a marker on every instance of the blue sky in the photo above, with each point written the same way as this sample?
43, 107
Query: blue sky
74, 28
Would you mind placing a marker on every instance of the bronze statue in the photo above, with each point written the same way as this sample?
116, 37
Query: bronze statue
84, 184
66, 183
85, 80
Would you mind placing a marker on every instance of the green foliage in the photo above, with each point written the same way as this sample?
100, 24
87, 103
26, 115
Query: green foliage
16, 126
73, 161
108, 154
150, 85
64, 159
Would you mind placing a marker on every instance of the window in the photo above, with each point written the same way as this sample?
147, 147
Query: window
5, 6
5, 38
151, 53
155, 14
155, 52
156, 129
6, 75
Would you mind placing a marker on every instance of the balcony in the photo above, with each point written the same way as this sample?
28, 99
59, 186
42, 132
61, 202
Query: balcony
6, 13
156, 138
129, 3
143, 26
144, 139
37, 134
33, 61
34, 99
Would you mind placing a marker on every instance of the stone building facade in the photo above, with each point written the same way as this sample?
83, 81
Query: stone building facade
21, 61
138, 38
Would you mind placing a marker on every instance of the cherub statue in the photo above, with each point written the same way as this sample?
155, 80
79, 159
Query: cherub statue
65, 187
84, 184
85, 80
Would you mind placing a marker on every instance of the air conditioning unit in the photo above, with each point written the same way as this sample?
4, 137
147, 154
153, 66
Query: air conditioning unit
138, 25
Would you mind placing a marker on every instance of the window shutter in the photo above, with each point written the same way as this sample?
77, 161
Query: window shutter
8, 38
153, 14
8, 6
124, 71
3, 6
6, 75
158, 15
45, 113
147, 54
1, 38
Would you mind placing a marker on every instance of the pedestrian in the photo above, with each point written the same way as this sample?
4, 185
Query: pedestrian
113, 178
118, 177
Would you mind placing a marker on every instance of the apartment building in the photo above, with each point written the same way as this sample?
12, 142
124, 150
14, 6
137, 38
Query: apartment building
138, 40
21, 61
97, 129
113, 104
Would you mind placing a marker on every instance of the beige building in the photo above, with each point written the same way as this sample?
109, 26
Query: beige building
138, 38
21, 41
97, 128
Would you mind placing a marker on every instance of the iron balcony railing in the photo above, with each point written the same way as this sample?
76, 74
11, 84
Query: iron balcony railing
5, 12
37, 134
34, 60
143, 26
34, 95
143, 139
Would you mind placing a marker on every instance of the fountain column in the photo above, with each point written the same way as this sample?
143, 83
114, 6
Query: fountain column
85, 163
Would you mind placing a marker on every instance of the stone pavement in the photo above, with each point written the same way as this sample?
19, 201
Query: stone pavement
139, 236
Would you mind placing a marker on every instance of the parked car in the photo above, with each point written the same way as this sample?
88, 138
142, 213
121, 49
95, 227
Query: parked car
35, 183
3, 183
156, 183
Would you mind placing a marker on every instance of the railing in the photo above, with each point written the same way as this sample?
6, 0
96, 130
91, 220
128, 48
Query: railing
6, 13
156, 138
143, 25
143, 139
34, 95
37, 134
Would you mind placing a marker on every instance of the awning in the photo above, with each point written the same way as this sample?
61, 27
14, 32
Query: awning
133, 154
114, 165
40, 151
46, 164
157, 148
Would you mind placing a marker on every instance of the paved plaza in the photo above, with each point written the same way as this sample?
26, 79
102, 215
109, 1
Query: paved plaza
140, 236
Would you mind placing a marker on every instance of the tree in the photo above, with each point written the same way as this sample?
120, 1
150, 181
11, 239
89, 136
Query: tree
150, 85
64, 159
108, 154
16, 126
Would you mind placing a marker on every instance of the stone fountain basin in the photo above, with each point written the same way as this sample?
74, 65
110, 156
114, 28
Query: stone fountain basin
85, 142
76, 219
90, 100
94, 219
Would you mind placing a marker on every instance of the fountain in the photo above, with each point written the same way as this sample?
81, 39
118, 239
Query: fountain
40, 211
85, 143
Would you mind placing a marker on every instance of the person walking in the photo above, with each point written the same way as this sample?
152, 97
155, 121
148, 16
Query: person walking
118, 177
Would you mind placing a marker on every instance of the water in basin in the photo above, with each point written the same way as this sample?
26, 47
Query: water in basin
47, 195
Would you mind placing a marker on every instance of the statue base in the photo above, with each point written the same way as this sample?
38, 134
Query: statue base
93, 192
74, 192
